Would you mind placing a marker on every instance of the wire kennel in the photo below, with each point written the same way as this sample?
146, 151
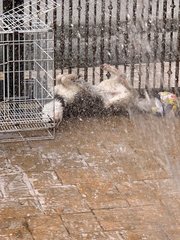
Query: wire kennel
26, 72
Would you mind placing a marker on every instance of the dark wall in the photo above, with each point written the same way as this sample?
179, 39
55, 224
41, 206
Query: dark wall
8, 5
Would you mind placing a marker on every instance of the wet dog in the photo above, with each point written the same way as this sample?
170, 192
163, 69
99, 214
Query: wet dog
80, 101
115, 91
109, 97
119, 93
65, 92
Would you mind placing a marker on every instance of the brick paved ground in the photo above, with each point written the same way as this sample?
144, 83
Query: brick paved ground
100, 179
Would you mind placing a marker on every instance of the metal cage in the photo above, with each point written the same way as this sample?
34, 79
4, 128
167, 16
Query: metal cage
26, 72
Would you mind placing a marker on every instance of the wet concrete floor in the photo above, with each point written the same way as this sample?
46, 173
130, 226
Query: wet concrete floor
100, 179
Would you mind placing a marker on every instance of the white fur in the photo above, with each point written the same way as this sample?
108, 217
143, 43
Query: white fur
112, 92
52, 110
66, 89
67, 92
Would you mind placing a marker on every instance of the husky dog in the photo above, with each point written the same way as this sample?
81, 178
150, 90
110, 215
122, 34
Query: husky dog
119, 93
116, 91
108, 97
65, 91
76, 93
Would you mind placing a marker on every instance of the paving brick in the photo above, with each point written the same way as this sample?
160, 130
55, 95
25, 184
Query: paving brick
14, 228
81, 223
164, 187
60, 199
143, 234
130, 218
173, 233
98, 236
4, 237
70, 160
21, 207
80, 175
138, 193
47, 227
138, 168
45, 179
32, 161
99, 195
172, 204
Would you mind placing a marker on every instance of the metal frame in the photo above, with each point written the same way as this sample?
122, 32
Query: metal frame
27, 72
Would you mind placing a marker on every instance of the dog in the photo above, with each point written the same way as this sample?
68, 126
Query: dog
108, 97
115, 91
77, 93
64, 94
118, 92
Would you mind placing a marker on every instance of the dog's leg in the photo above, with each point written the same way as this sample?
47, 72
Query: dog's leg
120, 77
123, 80
109, 68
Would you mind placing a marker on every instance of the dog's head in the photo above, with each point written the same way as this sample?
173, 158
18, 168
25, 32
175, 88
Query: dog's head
68, 86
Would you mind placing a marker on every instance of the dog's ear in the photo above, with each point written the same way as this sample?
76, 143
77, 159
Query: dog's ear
59, 78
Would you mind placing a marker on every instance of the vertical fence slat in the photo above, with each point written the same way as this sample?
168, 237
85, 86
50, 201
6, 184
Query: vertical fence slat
110, 7
94, 40
126, 37
163, 45
170, 55
148, 50
62, 38
54, 17
155, 45
134, 18
86, 40
102, 37
141, 49
79, 8
70, 36
177, 53
117, 32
